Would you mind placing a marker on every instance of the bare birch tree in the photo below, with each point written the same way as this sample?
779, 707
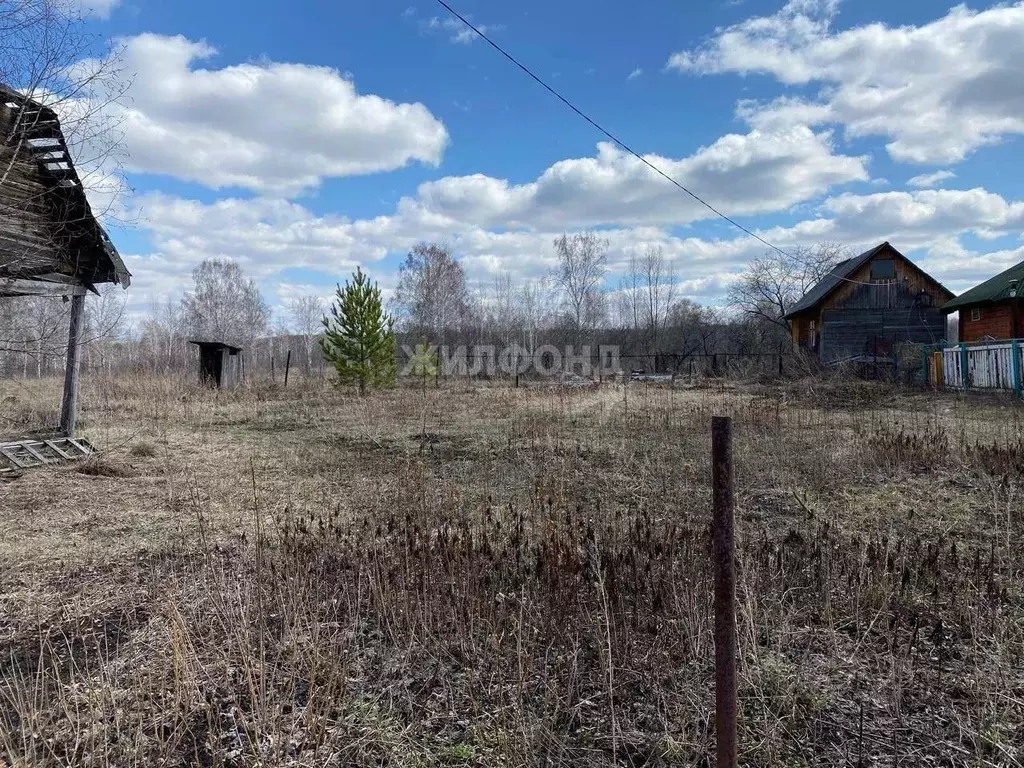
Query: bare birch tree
224, 305
431, 299
580, 274
307, 315
646, 295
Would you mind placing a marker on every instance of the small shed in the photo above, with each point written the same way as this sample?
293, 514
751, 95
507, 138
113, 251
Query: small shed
50, 242
993, 309
868, 304
220, 364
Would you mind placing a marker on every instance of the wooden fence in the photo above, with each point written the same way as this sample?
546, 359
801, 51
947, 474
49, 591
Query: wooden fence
988, 366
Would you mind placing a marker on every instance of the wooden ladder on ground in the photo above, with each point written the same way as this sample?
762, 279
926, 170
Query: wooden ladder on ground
29, 453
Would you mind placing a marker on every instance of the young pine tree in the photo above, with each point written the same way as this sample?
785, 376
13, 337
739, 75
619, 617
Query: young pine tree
359, 337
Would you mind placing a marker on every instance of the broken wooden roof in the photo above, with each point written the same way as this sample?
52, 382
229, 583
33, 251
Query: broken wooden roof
48, 232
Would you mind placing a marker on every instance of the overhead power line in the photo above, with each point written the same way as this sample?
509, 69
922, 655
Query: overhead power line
604, 130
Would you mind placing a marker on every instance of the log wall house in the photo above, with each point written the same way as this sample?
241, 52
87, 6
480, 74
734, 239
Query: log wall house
866, 305
993, 309
50, 242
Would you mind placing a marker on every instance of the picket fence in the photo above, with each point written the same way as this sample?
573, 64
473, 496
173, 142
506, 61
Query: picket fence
994, 365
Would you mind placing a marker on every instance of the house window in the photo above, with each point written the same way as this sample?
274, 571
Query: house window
883, 269
975, 314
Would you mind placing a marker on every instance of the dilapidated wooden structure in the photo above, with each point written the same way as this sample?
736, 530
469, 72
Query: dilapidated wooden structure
865, 306
220, 364
50, 242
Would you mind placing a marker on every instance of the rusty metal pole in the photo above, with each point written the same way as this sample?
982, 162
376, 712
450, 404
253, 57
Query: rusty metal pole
725, 592
287, 366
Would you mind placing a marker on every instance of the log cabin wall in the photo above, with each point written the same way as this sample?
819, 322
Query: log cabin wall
994, 321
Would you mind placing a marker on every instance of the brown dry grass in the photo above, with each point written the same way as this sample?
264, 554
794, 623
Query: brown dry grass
487, 576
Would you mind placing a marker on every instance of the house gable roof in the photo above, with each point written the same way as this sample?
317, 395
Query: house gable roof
843, 271
992, 290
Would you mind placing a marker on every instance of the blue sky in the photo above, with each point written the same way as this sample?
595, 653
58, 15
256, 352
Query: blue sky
304, 139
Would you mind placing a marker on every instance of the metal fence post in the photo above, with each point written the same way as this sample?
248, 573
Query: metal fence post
725, 592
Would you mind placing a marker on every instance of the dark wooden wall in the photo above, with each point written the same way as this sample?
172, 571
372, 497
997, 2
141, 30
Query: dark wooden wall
854, 332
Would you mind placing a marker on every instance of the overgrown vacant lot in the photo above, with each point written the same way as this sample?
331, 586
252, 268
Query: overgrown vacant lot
490, 576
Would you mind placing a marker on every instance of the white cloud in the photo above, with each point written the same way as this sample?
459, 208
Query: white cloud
264, 126
758, 172
909, 220
937, 91
926, 180
460, 33
635, 73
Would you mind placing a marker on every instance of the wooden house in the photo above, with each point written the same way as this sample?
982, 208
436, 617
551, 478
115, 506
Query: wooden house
50, 242
993, 309
866, 305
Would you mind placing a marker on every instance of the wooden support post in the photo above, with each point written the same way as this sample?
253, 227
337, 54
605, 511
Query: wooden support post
69, 402
1018, 385
965, 379
287, 367
725, 592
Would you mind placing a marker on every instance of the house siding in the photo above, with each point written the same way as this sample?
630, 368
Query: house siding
996, 322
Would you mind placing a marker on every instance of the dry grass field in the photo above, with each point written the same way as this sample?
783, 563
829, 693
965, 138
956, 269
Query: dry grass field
496, 577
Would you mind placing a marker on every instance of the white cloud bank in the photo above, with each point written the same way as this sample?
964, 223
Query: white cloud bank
263, 126
266, 236
937, 91
754, 173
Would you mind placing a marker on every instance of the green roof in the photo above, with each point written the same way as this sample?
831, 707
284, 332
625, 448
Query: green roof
992, 290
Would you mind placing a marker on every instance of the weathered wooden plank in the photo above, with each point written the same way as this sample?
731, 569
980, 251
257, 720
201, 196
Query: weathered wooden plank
17, 287
35, 453
86, 451
69, 402
57, 449
14, 458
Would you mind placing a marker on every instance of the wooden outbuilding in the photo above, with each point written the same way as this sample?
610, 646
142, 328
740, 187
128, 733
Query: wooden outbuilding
50, 242
992, 310
866, 305
220, 364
